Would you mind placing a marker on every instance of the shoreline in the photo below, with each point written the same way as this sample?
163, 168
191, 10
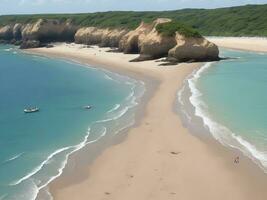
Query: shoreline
220, 161
254, 44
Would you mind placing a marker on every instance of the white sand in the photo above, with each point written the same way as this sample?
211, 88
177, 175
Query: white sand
142, 167
241, 43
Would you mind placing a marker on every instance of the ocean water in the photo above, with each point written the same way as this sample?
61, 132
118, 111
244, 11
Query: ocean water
34, 148
231, 99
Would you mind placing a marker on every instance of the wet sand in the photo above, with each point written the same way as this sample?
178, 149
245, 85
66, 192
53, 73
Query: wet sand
159, 158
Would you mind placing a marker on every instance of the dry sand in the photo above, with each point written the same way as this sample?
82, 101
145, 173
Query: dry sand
241, 43
159, 159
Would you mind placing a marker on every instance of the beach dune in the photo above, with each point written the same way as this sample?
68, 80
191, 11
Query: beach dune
159, 159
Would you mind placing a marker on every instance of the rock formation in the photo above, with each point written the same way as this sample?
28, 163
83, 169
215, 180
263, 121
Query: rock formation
89, 35
6, 32
163, 37
98, 36
193, 49
154, 45
113, 38
130, 43
17, 32
28, 44
49, 30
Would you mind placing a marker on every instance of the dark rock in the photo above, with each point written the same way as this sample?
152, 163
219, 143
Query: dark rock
28, 44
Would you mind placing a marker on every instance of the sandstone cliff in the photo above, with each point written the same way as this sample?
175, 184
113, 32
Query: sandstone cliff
6, 32
49, 30
113, 38
193, 49
130, 43
17, 31
163, 37
154, 45
99, 36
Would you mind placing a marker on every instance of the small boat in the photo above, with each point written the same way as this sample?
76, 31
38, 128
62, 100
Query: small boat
87, 107
31, 110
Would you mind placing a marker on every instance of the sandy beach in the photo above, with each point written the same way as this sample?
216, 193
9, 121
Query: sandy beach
159, 158
241, 43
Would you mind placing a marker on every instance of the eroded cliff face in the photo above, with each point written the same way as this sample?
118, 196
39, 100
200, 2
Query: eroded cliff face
34, 34
49, 30
154, 45
145, 39
113, 38
99, 36
130, 43
193, 49
6, 32
17, 31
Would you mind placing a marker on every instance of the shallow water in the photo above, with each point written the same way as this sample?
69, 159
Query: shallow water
34, 147
231, 98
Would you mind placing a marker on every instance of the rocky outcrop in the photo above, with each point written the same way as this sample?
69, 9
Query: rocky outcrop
17, 31
193, 49
130, 43
163, 37
147, 41
98, 36
42, 31
113, 38
151, 44
89, 35
6, 32
49, 30
28, 44
154, 45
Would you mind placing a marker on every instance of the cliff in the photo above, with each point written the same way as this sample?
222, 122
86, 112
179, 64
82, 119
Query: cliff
193, 49
161, 38
6, 32
130, 43
154, 45
167, 38
99, 36
49, 30
35, 34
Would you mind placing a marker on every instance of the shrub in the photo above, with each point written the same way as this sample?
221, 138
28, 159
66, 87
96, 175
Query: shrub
170, 28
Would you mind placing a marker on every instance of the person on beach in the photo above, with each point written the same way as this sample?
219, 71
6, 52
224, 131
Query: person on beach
236, 161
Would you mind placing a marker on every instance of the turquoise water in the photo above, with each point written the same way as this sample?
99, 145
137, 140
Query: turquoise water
231, 98
34, 147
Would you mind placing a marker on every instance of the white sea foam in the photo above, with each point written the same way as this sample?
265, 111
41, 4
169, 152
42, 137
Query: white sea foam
76, 148
63, 164
117, 112
179, 96
110, 78
9, 49
13, 157
38, 168
117, 116
85, 142
116, 107
221, 133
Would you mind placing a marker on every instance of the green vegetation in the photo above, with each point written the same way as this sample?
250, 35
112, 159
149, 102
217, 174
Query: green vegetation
250, 20
170, 28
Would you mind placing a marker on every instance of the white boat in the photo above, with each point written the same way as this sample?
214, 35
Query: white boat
31, 110
87, 107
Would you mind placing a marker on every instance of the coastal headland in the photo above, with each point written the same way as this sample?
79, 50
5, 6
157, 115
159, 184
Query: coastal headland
159, 159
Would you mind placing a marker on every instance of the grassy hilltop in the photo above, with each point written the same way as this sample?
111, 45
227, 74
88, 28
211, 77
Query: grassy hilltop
250, 20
